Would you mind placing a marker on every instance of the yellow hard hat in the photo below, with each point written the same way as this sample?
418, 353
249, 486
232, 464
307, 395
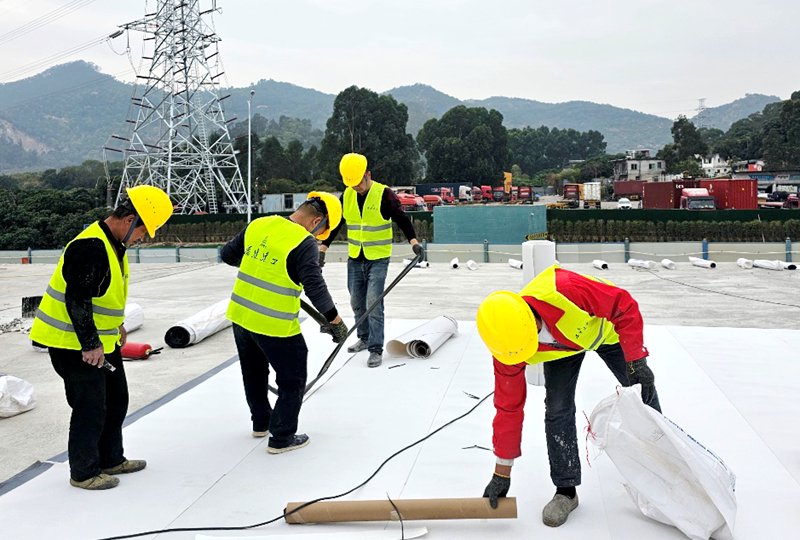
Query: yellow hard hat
352, 167
152, 204
508, 328
333, 207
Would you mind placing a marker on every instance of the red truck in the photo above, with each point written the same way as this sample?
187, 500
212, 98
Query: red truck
487, 193
697, 199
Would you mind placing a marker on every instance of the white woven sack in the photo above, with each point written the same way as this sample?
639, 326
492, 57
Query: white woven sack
670, 476
16, 396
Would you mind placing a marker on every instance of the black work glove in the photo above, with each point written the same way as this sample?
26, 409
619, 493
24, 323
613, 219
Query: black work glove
418, 249
337, 331
640, 373
321, 259
498, 487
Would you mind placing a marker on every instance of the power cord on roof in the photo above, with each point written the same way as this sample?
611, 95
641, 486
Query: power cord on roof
331, 497
721, 292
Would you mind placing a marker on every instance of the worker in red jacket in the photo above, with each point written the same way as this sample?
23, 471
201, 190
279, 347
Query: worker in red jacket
555, 319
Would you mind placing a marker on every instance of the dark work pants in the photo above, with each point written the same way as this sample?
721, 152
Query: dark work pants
288, 357
99, 402
560, 379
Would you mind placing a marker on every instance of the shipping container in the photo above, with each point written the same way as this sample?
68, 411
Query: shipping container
630, 189
732, 194
659, 195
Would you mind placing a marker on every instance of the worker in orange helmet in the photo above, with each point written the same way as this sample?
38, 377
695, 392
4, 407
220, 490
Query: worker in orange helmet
80, 321
554, 320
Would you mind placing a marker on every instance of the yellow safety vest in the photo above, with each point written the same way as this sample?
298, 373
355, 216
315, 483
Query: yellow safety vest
585, 330
53, 327
367, 229
265, 300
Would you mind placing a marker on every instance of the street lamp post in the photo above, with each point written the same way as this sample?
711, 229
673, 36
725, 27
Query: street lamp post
249, 157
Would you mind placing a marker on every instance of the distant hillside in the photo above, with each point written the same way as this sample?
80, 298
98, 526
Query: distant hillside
724, 116
65, 114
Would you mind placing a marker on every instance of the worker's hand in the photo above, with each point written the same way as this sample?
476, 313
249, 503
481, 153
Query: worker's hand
337, 330
94, 357
321, 259
640, 373
498, 487
123, 335
418, 249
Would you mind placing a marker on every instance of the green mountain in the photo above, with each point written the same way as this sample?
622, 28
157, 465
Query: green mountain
724, 116
66, 114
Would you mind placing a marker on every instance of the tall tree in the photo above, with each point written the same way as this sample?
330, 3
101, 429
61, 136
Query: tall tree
466, 144
687, 139
539, 149
370, 124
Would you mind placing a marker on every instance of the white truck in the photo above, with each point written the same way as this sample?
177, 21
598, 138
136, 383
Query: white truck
590, 194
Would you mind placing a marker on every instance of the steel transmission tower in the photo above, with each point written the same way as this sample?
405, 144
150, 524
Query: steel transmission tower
177, 114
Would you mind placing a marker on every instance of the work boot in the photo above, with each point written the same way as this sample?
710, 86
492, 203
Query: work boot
375, 359
101, 481
298, 441
260, 434
127, 466
358, 346
557, 511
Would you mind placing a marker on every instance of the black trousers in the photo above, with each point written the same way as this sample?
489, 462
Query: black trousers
99, 402
288, 357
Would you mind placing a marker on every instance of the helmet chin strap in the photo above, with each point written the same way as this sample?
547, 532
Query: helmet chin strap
135, 223
320, 225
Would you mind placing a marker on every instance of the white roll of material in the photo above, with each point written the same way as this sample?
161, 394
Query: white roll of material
744, 263
641, 263
425, 339
702, 263
134, 317
472, 265
199, 326
789, 266
514, 263
668, 264
600, 264
420, 264
768, 265
454, 263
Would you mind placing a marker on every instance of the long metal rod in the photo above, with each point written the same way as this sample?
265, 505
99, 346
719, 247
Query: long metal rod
314, 314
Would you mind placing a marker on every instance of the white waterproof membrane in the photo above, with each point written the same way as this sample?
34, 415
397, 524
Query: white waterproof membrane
737, 391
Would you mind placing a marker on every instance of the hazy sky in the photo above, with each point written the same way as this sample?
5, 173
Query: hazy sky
653, 56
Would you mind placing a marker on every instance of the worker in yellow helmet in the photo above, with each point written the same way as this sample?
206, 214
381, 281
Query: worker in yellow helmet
369, 210
80, 321
278, 258
554, 320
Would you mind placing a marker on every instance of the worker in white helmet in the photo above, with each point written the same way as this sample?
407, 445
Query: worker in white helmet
555, 319
80, 322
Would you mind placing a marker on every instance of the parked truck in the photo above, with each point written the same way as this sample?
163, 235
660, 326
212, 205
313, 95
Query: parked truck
572, 195
590, 194
697, 199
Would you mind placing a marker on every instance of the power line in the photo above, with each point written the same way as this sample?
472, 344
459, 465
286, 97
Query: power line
16, 73
43, 20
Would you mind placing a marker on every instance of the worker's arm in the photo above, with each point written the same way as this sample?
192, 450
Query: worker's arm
391, 209
611, 303
233, 251
302, 265
510, 390
87, 275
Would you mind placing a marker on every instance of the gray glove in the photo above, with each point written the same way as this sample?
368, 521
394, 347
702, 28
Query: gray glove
321, 259
640, 373
498, 487
337, 331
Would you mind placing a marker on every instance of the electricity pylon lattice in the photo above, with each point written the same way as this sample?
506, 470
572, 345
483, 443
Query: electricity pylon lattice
180, 141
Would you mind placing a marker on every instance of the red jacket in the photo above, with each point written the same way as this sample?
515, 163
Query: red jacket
599, 299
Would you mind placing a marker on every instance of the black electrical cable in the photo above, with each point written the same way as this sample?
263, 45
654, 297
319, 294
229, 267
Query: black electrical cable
328, 498
722, 292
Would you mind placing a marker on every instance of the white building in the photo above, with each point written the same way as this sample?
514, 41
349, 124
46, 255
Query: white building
714, 166
639, 165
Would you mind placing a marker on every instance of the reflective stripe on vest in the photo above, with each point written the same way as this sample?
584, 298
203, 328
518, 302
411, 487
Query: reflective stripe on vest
366, 228
585, 330
265, 300
53, 327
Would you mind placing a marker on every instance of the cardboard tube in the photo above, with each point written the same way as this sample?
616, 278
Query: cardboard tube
789, 266
702, 263
410, 510
600, 264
